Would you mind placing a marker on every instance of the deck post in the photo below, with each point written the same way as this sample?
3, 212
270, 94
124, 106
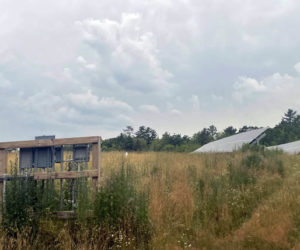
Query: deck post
61, 186
96, 161
99, 161
3, 170
3, 161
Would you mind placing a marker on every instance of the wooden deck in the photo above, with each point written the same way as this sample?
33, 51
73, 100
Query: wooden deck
94, 174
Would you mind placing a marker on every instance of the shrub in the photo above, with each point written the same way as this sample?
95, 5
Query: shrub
210, 196
26, 200
239, 175
191, 173
19, 200
275, 165
252, 161
119, 207
168, 148
252, 148
82, 198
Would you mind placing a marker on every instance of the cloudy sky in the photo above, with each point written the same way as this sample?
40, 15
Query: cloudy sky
78, 67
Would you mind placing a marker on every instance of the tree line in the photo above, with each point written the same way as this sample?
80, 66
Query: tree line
147, 139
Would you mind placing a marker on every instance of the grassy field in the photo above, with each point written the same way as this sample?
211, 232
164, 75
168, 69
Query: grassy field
242, 200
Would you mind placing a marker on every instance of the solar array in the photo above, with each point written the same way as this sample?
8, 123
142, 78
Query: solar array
234, 142
291, 148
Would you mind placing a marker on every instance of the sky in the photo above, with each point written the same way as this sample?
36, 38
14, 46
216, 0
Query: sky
90, 67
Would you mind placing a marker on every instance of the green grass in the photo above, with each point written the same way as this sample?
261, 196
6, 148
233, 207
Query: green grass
248, 199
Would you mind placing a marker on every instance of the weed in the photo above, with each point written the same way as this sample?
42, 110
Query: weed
119, 207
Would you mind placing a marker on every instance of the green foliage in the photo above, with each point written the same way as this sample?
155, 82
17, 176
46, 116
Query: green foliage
227, 190
210, 195
247, 128
82, 199
240, 175
146, 133
124, 142
223, 202
230, 131
146, 138
287, 130
294, 234
275, 164
243, 200
168, 148
47, 196
253, 160
191, 173
139, 144
118, 206
25, 201
252, 148
227, 132
19, 199
204, 136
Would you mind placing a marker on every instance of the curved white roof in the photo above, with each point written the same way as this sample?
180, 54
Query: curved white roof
292, 147
231, 143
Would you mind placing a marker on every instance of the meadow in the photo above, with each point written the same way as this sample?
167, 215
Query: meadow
249, 199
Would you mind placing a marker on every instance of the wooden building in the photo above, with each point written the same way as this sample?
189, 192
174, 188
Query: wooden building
38, 158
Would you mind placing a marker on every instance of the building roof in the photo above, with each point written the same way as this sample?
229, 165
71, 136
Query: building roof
291, 148
234, 142
49, 142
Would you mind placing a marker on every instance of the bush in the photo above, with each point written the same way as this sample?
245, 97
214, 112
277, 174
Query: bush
275, 165
240, 175
252, 161
168, 148
25, 201
253, 148
210, 197
19, 202
119, 207
226, 200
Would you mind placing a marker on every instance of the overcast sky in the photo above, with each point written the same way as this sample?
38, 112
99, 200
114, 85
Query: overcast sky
90, 67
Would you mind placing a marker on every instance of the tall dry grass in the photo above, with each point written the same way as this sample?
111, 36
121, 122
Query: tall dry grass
242, 200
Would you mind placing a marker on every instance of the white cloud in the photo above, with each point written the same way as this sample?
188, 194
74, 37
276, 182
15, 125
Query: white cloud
67, 73
297, 67
112, 102
127, 52
90, 101
85, 64
81, 60
249, 84
246, 86
149, 108
272, 94
195, 102
91, 66
76, 70
175, 112
4, 82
